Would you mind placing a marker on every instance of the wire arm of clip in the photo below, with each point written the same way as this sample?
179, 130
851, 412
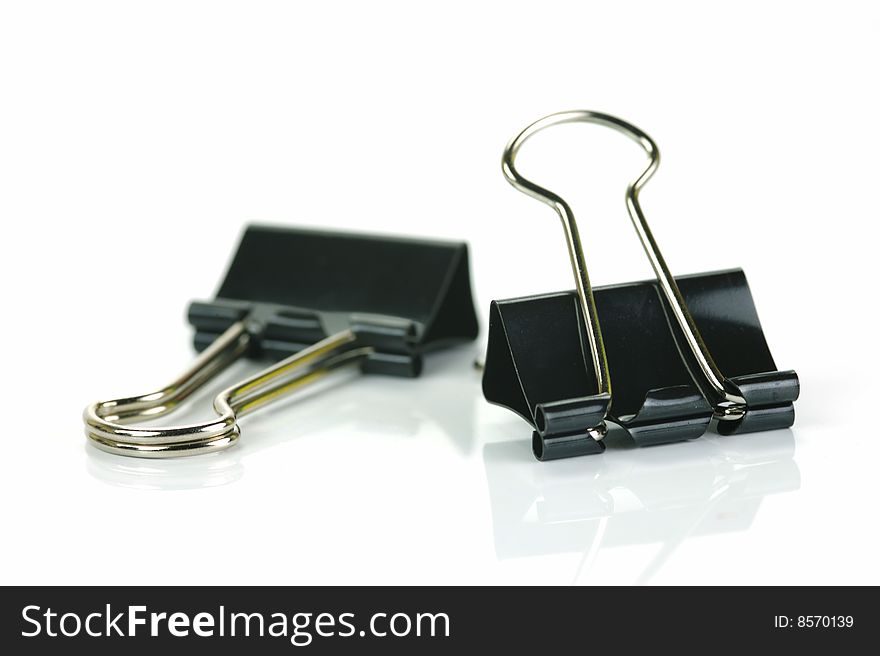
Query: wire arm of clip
109, 423
727, 405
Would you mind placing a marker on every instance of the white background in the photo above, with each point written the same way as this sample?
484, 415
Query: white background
136, 139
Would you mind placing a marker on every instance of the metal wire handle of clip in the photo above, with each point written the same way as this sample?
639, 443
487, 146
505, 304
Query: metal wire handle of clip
109, 423
727, 405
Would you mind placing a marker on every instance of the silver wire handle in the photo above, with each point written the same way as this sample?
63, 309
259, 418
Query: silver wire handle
727, 405
108, 423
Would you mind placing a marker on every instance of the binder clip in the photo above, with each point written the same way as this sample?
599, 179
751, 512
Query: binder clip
684, 351
315, 301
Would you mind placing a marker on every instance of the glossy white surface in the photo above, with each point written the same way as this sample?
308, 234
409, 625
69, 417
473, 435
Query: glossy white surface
136, 142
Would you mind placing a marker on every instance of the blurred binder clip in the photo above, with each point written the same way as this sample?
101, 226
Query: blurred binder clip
682, 350
315, 301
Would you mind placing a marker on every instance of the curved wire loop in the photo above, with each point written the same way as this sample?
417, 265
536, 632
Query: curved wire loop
109, 423
727, 405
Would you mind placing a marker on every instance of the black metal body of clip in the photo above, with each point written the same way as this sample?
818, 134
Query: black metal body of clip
722, 307
294, 287
538, 364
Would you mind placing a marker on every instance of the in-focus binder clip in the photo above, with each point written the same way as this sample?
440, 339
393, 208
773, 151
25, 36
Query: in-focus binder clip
683, 351
316, 300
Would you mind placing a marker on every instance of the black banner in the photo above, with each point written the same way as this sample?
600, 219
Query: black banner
429, 620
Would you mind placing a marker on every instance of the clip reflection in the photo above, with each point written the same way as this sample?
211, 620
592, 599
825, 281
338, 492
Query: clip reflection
633, 496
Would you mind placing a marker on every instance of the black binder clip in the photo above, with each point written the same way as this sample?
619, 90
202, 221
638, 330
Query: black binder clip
316, 301
683, 351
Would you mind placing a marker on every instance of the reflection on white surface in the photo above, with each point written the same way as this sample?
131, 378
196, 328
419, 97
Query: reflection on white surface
657, 496
174, 474
346, 403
